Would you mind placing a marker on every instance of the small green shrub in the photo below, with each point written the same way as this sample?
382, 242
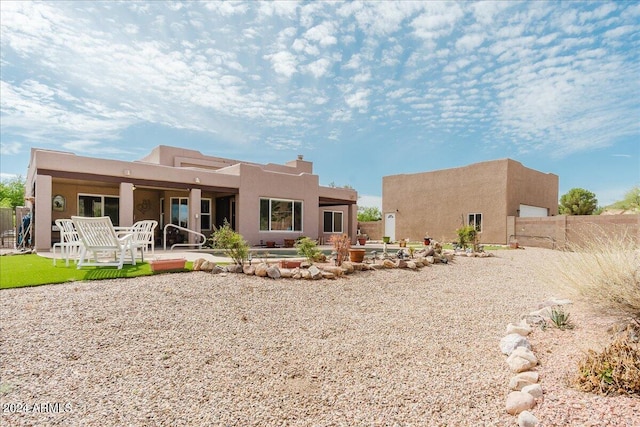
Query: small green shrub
560, 318
232, 243
308, 248
466, 236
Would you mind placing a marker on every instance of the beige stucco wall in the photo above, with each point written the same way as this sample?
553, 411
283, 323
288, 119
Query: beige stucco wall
439, 202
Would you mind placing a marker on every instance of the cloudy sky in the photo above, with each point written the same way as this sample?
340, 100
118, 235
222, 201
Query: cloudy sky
362, 89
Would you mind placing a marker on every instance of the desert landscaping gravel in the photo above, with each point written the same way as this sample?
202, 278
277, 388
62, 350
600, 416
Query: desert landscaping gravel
375, 348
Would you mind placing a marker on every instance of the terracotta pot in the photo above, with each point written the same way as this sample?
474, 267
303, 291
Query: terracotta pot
288, 243
356, 255
362, 241
271, 244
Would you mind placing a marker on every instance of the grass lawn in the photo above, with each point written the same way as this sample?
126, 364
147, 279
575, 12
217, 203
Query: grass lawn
17, 271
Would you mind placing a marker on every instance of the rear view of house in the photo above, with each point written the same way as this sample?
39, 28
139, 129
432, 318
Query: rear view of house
263, 202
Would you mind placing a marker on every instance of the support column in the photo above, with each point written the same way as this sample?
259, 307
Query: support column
353, 222
195, 196
126, 204
41, 219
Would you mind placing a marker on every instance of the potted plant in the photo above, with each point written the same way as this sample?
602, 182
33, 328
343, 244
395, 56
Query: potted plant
403, 243
362, 239
386, 239
427, 239
356, 255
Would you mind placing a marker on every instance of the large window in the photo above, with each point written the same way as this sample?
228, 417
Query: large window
205, 214
180, 211
280, 215
93, 205
475, 219
332, 222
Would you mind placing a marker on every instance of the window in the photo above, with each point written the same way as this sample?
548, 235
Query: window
180, 211
162, 213
91, 205
205, 214
332, 222
475, 219
280, 215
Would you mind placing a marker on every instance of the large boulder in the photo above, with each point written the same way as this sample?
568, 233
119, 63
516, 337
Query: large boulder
273, 272
315, 273
261, 269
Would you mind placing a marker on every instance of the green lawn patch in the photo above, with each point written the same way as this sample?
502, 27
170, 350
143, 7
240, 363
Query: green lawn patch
17, 271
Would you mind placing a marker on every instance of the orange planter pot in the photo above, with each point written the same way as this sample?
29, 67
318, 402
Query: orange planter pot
356, 255
289, 264
167, 264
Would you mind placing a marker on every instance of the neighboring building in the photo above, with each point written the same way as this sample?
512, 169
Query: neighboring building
484, 194
263, 202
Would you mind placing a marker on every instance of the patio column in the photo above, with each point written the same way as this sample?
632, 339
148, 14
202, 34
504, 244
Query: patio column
41, 215
126, 204
194, 213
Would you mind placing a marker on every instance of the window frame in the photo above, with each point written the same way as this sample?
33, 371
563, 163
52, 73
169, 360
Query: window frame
296, 209
472, 219
115, 220
333, 222
206, 214
180, 200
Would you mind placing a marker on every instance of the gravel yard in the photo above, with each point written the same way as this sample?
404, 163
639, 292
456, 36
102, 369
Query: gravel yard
376, 348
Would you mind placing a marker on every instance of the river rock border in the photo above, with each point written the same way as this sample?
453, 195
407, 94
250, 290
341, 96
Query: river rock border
525, 391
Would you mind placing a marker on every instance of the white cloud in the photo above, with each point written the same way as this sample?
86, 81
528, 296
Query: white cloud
359, 99
469, 42
319, 68
10, 148
322, 33
283, 63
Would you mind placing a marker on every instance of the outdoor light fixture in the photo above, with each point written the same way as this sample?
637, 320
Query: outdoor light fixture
197, 180
127, 172
249, 258
334, 257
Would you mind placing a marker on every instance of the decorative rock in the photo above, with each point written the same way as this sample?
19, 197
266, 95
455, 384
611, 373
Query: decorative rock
554, 301
217, 270
430, 259
327, 275
534, 390
511, 342
534, 320
261, 269
519, 329
314, 273
207, 265
234, 268
523, 379
376, 267
347, 267
197, 263
273, 272
401, 263
286, 273
411, 265
419, 264
249, 270
358, 266
387, 263
336, 271
304, 274
543, 312
527, 419
521, 359
518, 401
305, 264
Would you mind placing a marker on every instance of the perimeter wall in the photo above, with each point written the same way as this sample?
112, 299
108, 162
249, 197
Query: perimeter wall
556, 232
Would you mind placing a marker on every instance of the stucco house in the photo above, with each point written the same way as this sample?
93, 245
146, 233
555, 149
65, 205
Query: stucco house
483, 194
263, 202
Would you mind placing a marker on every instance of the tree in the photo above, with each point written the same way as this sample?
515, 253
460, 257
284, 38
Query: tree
631, 200
578, 201
369, 214
12, 192
232, 243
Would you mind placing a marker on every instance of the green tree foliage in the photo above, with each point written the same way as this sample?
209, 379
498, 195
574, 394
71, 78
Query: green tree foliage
369, 214
578, 201
234, 246
12, 192
308, 248
631, 200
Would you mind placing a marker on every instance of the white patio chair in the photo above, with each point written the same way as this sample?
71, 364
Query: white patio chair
98, 236
69, 241
144, 235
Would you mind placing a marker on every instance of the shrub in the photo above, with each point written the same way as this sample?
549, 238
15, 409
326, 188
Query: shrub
341, 244
560, 318
615, 370
308, 248
232, 243
466, 236
605, 269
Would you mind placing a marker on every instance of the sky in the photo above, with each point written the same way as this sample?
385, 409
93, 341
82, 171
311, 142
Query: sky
361, 89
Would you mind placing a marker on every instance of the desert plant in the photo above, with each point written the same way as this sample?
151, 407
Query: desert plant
341, 244
308, 248
560, 318
604, 268
232, 243
578, 201
466, 236
614, 370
